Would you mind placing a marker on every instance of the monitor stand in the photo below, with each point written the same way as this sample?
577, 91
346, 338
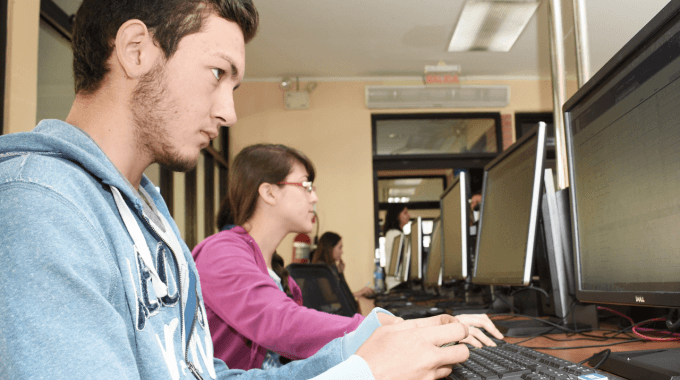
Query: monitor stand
663, 364
582, 318
532, 327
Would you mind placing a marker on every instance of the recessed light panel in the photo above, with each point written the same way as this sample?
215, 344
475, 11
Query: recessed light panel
488, 25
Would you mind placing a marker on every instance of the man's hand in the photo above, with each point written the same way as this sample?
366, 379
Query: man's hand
476, 337
410, 350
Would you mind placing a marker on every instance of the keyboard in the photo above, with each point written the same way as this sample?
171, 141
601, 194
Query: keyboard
513, 362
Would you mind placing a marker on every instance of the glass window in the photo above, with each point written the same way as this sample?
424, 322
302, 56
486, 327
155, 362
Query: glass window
55, 75
408, 190
435, 135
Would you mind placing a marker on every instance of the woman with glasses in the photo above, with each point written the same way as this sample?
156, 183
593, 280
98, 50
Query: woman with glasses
251, 319
254, 314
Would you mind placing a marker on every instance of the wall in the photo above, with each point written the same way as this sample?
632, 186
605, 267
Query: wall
22, 65
336, 134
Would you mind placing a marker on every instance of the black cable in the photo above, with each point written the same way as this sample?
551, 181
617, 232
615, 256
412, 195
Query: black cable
606, 353
560, 327
669, 320
592, 346
531, 287
502, 298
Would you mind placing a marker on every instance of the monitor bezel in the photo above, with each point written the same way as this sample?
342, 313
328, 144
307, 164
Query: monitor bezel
396, 264
463, 196
536, 195
417, 234
437, 228
637, 45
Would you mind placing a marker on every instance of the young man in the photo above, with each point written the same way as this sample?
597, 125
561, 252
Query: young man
94, 279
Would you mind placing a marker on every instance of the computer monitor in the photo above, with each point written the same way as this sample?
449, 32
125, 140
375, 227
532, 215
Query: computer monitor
395, 256
511, 197
413, 265
455, 211
623, 140
433, 270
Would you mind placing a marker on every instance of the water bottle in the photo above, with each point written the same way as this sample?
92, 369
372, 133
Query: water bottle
378, 277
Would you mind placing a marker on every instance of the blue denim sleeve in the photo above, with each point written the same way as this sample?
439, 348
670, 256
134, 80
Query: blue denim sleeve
334, 361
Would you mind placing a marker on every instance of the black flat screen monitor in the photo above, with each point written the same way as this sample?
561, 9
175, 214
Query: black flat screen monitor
455, 237
623, 150
413, 265
623, 143
433, 270
395, 255
511, 197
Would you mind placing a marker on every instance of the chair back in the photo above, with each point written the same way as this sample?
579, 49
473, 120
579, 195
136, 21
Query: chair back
321, 290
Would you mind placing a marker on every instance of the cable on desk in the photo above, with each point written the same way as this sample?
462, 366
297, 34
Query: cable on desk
502, 298
531, 287
560, 327
591, 346
606, 353
670, 324
637, 329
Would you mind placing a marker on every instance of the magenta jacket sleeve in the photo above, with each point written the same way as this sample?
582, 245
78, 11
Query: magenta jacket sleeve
237, 288
295, 290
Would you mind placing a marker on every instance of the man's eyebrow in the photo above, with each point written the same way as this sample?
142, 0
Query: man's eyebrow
234, 70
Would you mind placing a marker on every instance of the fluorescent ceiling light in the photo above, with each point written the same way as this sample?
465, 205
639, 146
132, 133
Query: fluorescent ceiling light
491, 25
408, 181
402, 191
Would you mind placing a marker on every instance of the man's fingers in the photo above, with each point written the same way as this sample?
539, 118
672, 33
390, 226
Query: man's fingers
437, 320
446, 356
478, 338
481, 321
443, 372
443, 334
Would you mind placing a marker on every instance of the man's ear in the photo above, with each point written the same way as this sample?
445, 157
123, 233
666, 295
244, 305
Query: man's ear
267, 193
135, 48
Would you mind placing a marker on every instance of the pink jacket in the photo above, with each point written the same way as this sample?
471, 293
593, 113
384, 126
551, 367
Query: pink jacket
247, 312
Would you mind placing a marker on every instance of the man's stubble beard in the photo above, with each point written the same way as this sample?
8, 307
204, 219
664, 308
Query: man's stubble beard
150, 106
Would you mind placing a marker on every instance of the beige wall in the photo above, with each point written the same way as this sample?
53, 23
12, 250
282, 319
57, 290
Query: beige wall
336, 134
22, 65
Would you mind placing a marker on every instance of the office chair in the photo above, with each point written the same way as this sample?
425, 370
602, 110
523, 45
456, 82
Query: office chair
321, 290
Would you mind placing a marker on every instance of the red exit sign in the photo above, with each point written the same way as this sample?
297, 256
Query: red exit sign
441, 79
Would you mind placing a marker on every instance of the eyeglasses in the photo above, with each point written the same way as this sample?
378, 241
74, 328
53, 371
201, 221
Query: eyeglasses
307, 185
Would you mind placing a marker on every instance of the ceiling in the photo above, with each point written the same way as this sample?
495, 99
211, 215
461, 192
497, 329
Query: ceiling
356, 39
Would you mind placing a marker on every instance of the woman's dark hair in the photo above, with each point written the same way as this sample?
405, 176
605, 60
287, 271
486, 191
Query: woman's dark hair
97, 22
280, 269
258, 164
224, 216
324, 250
392, 217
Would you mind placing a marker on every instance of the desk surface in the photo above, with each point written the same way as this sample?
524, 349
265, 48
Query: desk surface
571, 343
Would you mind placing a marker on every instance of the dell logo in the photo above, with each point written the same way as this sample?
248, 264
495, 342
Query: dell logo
639, 299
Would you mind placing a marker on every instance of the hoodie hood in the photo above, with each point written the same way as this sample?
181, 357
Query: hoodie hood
58, 138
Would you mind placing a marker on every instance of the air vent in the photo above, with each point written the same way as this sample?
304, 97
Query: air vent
437, 96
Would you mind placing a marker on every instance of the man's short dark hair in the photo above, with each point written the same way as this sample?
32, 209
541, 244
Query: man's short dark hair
97, 23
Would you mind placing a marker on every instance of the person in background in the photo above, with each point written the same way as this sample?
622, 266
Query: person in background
329, 252
248, 309
396, 218
271, 195
277, 271
475, 206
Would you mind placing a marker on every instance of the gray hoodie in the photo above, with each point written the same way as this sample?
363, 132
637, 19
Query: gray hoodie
93, 286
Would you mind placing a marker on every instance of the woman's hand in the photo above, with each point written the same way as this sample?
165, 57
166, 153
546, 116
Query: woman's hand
340, 265
363, 292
